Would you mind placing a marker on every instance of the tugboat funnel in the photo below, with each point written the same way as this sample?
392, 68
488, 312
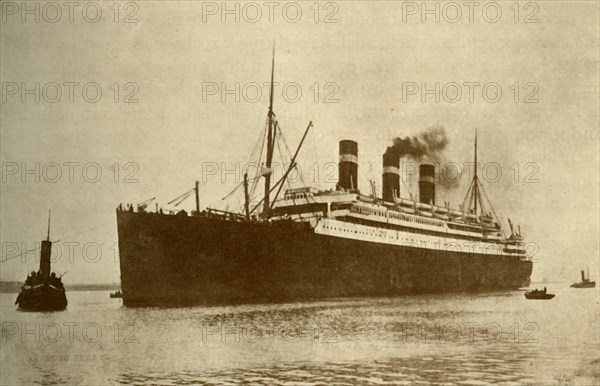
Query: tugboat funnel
45, 258
45, 254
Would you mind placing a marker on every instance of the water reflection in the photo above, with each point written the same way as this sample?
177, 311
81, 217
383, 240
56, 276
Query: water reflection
450, 339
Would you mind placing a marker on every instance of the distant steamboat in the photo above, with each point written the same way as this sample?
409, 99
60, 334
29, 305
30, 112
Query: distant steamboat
314, 243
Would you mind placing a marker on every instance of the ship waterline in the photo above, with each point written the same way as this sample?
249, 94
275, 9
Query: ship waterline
176, 260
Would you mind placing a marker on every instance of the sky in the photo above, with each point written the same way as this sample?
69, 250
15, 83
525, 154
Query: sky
142, 99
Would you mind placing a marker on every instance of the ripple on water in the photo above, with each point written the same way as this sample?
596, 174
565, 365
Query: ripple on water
370, 348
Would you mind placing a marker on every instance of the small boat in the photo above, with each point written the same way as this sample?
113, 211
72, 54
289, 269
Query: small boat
43, 290
585, 282
539, 295
117, 294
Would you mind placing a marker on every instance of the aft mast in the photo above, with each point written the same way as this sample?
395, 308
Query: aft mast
477, 203
475, 178
473, 200
48, 236
270, 143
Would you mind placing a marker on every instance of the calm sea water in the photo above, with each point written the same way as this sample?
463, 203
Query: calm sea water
448, 339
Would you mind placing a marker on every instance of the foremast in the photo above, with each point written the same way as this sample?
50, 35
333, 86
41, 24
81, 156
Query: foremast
270, 145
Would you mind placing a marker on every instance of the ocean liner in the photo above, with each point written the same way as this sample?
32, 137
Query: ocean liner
313, 243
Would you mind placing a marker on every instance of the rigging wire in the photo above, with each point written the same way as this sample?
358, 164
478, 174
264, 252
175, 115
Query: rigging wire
262, 149
57, 240
283, 160
184, 196
183, 199
289, 153
469, 196
259, 148
258, 145
494, 212
233, 191
287, 180
21, 254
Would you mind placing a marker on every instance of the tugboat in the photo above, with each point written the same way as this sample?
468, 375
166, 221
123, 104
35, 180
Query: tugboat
43, 290
585, 282
539, 295
116, 295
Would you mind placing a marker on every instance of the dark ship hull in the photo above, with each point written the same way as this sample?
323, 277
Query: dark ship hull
589, 284
538, 295
43, 297
177, 260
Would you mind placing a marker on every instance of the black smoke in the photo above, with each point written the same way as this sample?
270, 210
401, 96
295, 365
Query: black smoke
426, 146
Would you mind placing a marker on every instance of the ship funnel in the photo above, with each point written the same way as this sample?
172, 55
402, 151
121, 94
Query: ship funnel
45, 253
45, 258
427, 184
582, 276
391, 176
348, 166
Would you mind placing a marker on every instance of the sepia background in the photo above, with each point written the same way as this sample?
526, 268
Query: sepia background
177, 105
547, 150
